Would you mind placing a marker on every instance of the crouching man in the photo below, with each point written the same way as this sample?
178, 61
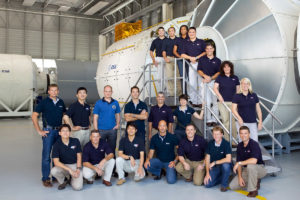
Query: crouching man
66, 155
131, 155
97, 159
249, 164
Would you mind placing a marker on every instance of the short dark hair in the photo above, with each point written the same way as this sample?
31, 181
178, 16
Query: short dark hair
52, 85
244, 128
64, 126
81, 88
192, 28
160, 92
183, 96
132, 124
183, 26
160, 28
134, 87
191, 125
210, 44
95, 131
218, 128
223, 64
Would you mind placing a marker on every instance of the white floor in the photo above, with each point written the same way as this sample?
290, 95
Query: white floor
20, 155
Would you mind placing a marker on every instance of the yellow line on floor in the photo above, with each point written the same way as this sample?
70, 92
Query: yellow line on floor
245, 193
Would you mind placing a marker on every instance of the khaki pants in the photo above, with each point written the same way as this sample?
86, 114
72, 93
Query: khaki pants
90, 174
225, 116
198, 175
60, 174
170, 74
124, 165
250, 174
83, 136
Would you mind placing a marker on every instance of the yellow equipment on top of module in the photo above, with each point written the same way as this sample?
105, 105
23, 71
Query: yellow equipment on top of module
124, 30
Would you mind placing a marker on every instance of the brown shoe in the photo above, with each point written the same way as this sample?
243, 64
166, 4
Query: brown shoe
107, 183
223, 189
189, 179
47, 183
258, 184
252, 193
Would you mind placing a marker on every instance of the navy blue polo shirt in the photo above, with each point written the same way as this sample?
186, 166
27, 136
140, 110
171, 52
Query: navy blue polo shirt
180, 43
218, 152
183, 117
227, 86
246, 106
132, 148
192, 150
52, 113
79, 114
137, 109
95, 155
67, 154
164, 146
252, 150
106, 112
168, 46
160, 113
194, 48
209, 66
157, 46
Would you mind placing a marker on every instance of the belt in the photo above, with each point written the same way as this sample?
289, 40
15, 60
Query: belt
84, 128
52, 127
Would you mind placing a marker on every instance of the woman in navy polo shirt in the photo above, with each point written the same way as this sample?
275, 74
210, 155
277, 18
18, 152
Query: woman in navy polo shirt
184, 114
245, 106
226, 86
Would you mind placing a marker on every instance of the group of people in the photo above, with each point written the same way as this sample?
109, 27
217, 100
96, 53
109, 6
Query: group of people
203, 67
80, 155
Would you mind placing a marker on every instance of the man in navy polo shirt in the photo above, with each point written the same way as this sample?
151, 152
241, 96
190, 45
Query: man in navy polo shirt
193, 50
163, 144
131, 155
191, 156
107, 117
160, 112
208, 69
218, 160
249, 164
167, 52
66, 156
80, 113
156, 46
136, 111
52, 109
97, 159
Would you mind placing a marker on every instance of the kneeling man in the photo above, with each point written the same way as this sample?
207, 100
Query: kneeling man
66, 155
131, 155
218, 160
249, 164
97, 159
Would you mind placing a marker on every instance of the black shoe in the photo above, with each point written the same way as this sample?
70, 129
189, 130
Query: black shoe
97, 177
126, 174
157, 177
64, 184
115, 174
146, 173
163, 172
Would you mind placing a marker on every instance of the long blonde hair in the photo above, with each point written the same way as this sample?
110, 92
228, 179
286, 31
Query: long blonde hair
246, 80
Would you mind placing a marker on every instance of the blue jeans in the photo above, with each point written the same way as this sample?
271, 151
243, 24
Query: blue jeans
110, 136
48, 142
180, 134
219, 174
156, 166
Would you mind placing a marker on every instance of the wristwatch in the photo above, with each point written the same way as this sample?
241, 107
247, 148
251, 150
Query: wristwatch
240, 163
79, 167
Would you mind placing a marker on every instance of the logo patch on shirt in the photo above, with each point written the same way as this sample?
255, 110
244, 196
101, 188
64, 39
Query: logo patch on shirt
248, 151
167, 143
196, 145
102, 150
113, 107
188, 113
140, 109
60, 106
87, 108
233, 79
213, 62
222, 152
73, 147
136, 145
251, 97
163, 111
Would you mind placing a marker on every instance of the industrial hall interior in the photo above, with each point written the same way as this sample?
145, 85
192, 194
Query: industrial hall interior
149, 99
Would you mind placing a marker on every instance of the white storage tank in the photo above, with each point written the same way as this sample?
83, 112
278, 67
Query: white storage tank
20, 82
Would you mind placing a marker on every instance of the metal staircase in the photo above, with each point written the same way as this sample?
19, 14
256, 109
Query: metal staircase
147, 84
